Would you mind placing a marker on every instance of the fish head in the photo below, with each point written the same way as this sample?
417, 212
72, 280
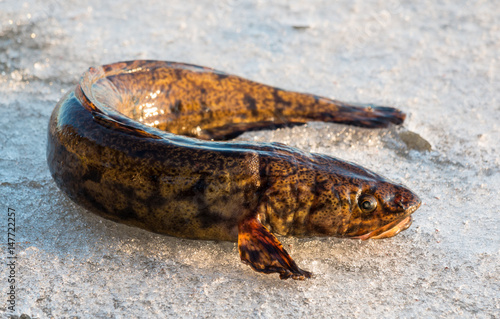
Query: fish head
354, 202
383, 210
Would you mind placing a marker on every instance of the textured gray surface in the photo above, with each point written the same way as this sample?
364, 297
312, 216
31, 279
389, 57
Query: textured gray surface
438, 61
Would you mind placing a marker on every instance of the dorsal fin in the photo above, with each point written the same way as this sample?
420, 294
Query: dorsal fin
113, 124
108, 121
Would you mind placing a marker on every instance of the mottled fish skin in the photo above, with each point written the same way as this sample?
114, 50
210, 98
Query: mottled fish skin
133, 142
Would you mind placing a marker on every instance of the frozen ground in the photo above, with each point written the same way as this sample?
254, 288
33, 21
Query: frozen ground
436, 60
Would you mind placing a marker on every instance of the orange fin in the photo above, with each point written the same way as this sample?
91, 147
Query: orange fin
264, 253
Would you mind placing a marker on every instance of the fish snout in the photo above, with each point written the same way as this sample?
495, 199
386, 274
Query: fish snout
407, 202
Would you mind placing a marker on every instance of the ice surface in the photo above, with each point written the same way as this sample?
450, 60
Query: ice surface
438, 61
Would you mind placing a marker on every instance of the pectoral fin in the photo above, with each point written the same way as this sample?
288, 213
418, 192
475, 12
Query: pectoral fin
264, 253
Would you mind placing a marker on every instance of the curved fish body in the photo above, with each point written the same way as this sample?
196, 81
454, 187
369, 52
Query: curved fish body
136, 142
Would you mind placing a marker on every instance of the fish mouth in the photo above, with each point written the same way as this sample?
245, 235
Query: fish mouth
389, 230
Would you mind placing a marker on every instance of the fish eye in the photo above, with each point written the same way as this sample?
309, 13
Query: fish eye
367, 203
